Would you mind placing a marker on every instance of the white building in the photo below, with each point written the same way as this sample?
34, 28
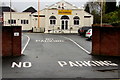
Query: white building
61, 17
18, 19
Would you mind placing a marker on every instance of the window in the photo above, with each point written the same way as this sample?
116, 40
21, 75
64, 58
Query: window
64, 17
76, 20
87, 16
24, 22
27, 22
52, 20
12, 21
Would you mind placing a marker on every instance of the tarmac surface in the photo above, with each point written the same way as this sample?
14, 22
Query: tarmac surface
58, 56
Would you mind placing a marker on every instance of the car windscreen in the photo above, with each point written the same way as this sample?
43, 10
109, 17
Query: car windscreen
86, 28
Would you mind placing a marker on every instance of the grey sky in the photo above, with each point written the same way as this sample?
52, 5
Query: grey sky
43, 0
21, 5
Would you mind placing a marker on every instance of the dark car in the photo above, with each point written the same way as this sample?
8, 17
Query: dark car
82, 31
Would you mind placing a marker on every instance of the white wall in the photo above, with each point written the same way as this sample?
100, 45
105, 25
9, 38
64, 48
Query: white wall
45, 21
76, 12
18, 17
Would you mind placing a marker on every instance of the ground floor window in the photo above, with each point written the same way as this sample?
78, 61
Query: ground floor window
24, 22
12, 21
76, 20
52, 20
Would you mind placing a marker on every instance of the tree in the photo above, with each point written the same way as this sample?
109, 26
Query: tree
119, 4
119, 14
96, 17
110, 6
87, 9
112, 17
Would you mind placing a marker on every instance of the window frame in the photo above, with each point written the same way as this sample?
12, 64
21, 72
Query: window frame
52, 20
76, 20
12, 21
24, 21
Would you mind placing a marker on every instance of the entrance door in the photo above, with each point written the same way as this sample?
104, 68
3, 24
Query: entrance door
64, 22
64, 25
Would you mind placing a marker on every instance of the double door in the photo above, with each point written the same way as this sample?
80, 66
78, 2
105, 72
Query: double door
64, 24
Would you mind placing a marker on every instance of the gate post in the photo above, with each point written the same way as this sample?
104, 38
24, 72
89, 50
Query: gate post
16, 39
106, 40
11, 40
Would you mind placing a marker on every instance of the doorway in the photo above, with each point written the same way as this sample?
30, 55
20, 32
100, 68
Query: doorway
64, 22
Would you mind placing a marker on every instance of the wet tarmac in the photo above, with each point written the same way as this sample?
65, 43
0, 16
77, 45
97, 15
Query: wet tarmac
56, 56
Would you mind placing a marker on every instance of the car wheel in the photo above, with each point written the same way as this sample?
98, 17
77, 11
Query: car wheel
88, 39
91, 37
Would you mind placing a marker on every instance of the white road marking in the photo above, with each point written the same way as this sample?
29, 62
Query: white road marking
62, 63
94, 62
50, 40
25, 44
87, 63
78, 45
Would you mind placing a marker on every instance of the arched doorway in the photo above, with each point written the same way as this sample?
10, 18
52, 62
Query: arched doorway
64, 22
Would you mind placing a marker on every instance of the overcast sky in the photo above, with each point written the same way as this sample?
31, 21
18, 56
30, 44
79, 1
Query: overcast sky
21, 5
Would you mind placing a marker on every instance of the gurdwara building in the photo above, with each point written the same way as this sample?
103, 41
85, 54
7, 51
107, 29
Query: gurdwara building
61, 17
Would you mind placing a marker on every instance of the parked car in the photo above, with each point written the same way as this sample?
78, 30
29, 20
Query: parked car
89, 34
82, 31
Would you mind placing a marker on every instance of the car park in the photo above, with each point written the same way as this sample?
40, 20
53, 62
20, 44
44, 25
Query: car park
89, 34
82, 31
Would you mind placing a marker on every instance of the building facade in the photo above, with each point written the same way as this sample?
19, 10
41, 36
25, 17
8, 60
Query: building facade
18, 19
3, 9
61, 17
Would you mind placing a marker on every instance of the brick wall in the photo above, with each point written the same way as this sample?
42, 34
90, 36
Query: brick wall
106, 41
11, 45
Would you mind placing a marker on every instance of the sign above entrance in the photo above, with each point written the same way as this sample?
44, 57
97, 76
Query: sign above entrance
64, 12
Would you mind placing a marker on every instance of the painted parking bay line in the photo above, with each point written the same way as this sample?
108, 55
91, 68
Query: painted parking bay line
25, 44
78, 45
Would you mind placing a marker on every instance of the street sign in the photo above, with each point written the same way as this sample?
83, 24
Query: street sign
16, 33
64, 12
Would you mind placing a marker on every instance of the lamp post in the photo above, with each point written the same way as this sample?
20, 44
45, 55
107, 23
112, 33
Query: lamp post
101, 12
10, 14
38, 13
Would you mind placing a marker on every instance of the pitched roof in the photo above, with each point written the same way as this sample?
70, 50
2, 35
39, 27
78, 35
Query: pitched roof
30, 9
6, 9
62, 3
